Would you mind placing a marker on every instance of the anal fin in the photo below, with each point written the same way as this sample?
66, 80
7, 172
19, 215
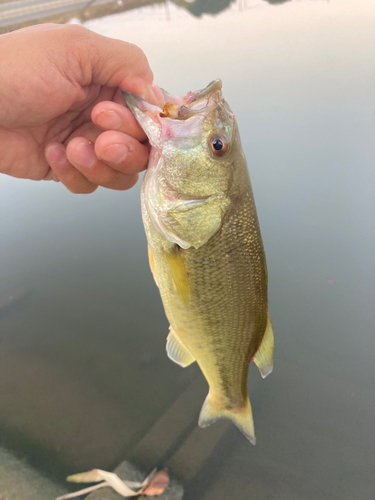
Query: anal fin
264, 355
177, 352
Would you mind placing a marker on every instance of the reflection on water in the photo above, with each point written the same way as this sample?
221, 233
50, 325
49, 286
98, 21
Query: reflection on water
83, 370
277, 1
199, 7
15, 15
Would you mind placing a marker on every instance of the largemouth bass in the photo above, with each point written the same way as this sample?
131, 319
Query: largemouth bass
205, 247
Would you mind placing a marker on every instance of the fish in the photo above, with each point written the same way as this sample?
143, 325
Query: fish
205, 247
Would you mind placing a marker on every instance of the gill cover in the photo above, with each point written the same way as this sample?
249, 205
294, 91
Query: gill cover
186, 188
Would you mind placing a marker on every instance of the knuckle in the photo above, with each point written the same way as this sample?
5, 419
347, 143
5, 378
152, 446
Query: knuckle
77, 31
140, 62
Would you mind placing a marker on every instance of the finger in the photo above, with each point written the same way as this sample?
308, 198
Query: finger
122, 152
158, 94
117, 64
119, 151
87, 130
72, 179
51, 176
111, 116
82, 155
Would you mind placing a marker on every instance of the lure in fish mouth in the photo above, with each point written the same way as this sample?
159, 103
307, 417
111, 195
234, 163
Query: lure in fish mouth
205, 246
183, 108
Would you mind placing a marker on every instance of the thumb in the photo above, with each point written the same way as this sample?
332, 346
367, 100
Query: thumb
120, 64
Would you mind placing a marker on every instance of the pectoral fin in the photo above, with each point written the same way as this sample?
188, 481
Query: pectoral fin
178, 272
151, 261
177, 352
264, 355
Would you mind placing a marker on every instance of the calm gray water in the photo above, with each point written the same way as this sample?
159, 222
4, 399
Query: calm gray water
83, 369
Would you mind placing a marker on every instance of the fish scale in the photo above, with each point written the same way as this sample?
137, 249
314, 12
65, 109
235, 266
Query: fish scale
206, 250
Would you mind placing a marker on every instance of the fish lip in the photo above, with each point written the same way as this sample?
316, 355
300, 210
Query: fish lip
201, 94
180, 106
138, 102
180, 109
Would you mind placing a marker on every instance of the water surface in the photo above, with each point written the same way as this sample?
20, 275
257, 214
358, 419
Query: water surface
83, 370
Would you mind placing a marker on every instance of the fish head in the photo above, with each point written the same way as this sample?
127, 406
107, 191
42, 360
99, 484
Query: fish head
189, 181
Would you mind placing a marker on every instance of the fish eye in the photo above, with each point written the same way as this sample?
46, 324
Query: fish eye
219, 145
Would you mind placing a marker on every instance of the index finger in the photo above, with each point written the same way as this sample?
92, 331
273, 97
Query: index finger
109, 115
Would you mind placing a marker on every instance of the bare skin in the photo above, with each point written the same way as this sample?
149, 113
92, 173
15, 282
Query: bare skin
62, 115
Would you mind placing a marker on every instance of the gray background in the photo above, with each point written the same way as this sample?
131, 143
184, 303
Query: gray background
83, 370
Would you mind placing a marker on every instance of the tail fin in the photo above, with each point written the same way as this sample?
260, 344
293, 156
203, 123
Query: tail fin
241, 417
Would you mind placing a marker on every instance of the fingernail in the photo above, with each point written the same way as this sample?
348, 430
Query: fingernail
158, 94
84, 155
56, 154
109, 120
115, 154
153, 95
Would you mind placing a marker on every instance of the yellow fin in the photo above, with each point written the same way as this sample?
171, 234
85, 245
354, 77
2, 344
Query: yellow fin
241, 417
177, 352
178, 271
151, 261
264, 355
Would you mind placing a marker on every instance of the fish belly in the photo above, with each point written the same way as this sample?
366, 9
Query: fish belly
224, 317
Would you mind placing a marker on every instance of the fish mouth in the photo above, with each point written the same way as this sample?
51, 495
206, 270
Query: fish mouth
162, 125
190, 105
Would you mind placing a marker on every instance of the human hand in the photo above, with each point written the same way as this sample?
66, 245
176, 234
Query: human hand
62, 115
